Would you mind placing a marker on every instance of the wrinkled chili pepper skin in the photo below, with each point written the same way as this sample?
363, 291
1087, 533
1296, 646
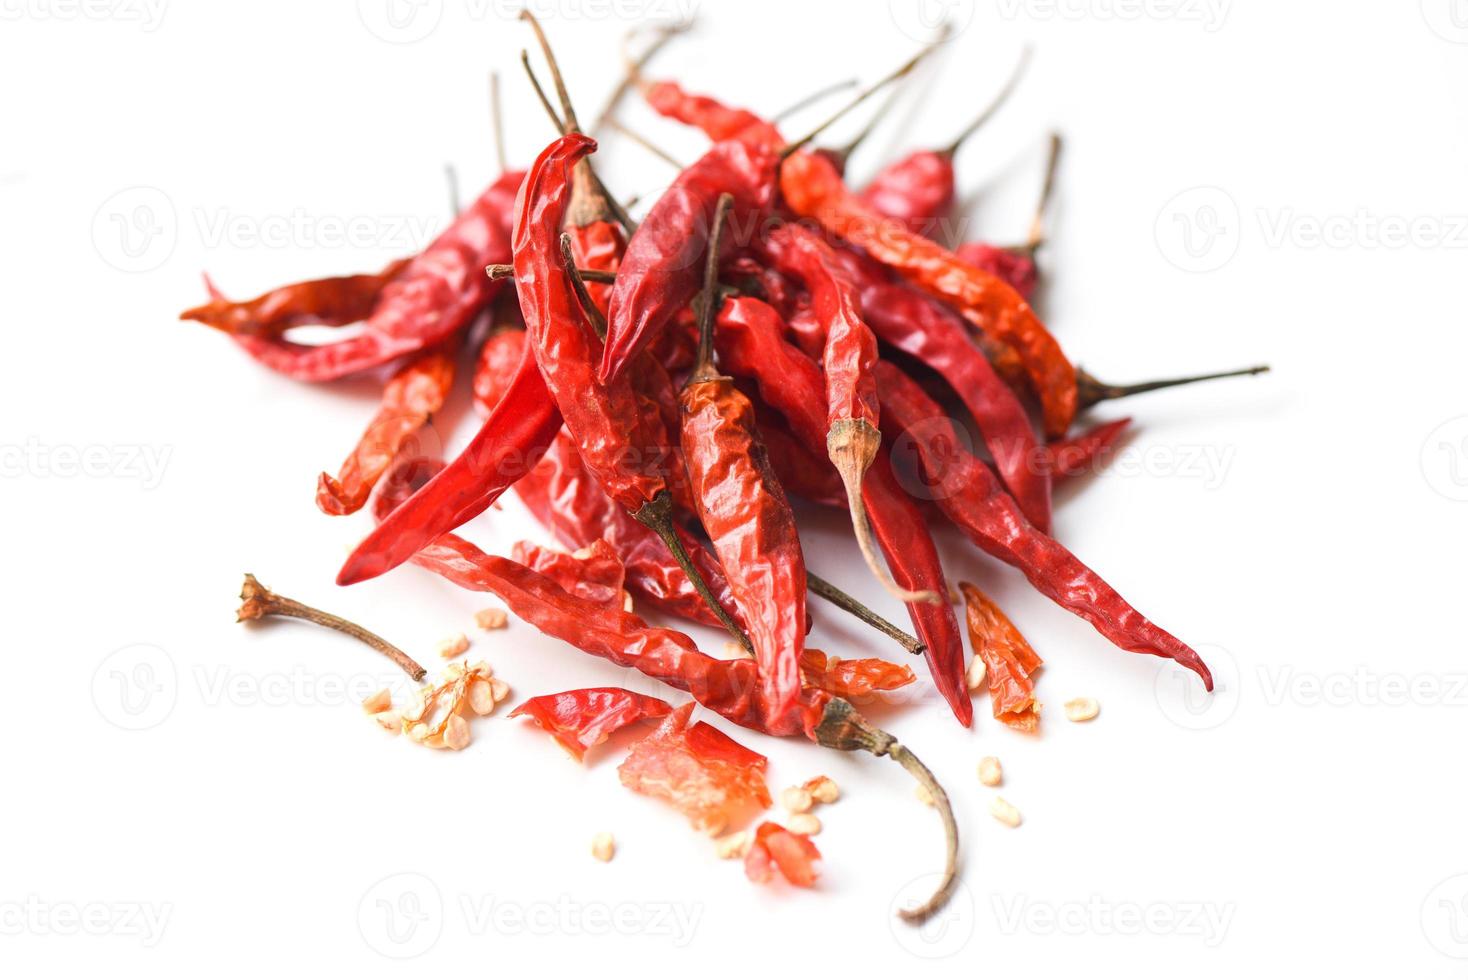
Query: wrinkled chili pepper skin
440, 291
751, 343
494, 370
813, 189
1009, 660
800, 471
1083, 452
718, 121
849, 349
745, 514
507, 446
972, 499
903, 319
408, 401
917, 190
1015, 266
611, 430
330, 302
582, 719
661, 269
594, 572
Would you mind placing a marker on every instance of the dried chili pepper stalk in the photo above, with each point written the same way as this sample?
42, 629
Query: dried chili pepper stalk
742, 506
972, 499
813, 189
633, 74
439, 292
409, 400
776, 848
1016, 265
751, 343
842, 600
848, 354
582, 719
705, 774
1009, 660
258, 602
1078, 453
594, 572
919, 189
1093, 392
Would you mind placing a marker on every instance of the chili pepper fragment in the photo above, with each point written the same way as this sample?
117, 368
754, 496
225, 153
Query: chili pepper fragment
582, 719
777, 848
258, 602
1010, 660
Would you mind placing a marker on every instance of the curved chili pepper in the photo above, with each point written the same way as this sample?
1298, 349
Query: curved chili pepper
659, 273
594, 572
718, 121
330, 302
813, 189
440, 291
1009, 660
1015, 266
743, 507
582, 719
973, 501
1079, 453
494, 369
751, 342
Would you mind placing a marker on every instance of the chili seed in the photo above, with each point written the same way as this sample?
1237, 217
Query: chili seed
990, 772
452, 646
1004, 811
378, 703
732, 845
804, 823
797, 799
391, 721
1082, 709
491, 619
456, 732
977, 671
823, 789
603, 846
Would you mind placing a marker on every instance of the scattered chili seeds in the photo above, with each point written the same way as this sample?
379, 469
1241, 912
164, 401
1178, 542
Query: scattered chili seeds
603, 846
732, 846
991, 773
491, 619
378, 703
804, 823
823, 789
797, 799
1082, 709
1004, 811
452, 646
977, 671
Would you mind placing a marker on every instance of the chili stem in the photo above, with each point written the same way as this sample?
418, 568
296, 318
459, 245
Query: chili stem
567, 112
1047, 191
588, 305
645, 143
1092, 392
258, 602
496, 121
841, 727
815, 97
900, 72
633, 74
545, 102
504, 270
844, 153
703, 364
842, 600
657, 516
994, 105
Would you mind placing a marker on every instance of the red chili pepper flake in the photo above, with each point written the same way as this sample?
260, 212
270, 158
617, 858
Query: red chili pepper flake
587, 717
775, 848
1010, 660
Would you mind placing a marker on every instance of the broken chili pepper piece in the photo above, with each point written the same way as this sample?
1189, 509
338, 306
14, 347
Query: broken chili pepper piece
1009, 660
853, 679
775, 848
582, 719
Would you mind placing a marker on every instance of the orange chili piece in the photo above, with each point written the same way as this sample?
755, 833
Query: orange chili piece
1009, 660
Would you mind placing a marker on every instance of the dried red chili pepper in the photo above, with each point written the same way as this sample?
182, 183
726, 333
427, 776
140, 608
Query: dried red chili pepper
853, 679
705, 774
751, 343
742, 506
440, 291
409, 399
1078, 453
918, 190
813, 189
973, 501
585, 718
848, 354
1009, 660
718, 121
330, 302
800, 470
1016, 265
776, 848
494, 370
594, 572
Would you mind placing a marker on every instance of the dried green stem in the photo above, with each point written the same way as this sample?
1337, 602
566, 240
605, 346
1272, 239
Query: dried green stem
503, 270
258, 602
703, 364
588, 306
844, 601
657, 516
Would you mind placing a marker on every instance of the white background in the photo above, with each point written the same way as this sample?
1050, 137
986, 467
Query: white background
1305, 531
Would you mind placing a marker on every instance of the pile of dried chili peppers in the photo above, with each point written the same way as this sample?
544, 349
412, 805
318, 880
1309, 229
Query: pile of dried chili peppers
657, 392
